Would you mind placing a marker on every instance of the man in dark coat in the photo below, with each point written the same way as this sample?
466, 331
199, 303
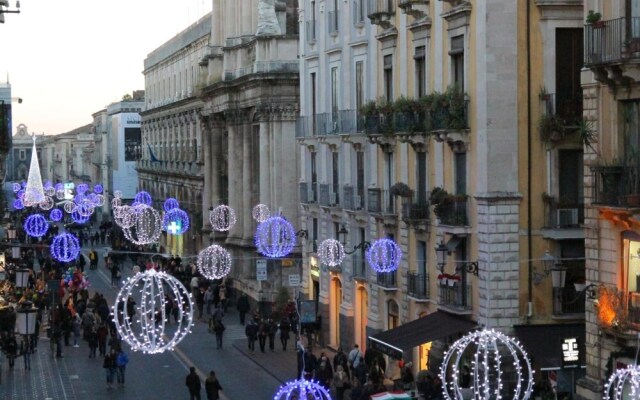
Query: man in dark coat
193, 384
243, 307
252, 334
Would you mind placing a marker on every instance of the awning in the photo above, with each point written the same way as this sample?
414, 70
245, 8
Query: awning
422, 330
544, 344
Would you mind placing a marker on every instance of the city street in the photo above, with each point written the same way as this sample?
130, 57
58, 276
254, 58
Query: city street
75, 376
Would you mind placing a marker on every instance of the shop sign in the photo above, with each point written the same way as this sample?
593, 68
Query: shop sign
570, 353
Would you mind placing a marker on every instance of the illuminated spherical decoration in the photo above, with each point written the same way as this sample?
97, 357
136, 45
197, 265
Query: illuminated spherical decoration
117, 194
384, 255
60, 194
222, 218
55, 215
147, 226
69, 207
49, 191
260, 213
99, 200
77, 217
84, 209
23, 184
124, 216
47, 204
58, 186
275, 237
20, 194
214, 262
302, 389
170, 204
98, 189
143, 198
65, 247
16, 187
175, 221
493, 356
36, 225
149, 330
116, 202
623, 384
331, 252
82, 188
17, 204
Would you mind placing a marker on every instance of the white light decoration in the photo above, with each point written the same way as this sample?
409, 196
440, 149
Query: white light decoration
147, 226
260, 213
384, 255
47, 203
34, 192
124, 216
623, 384
214, 262
50, 191
60, 194
275, 237
222, 218
99, 202
492, 356
302, 389
117, 194
116, 202
148, 330
69, 207
331, 252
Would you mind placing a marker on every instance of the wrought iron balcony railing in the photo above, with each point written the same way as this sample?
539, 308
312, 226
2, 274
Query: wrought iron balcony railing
612, 41
457, 297
415, 207
380, 201
568, 107
418, 285
617, 185
453, 212
387, 280
568, 301
564, 215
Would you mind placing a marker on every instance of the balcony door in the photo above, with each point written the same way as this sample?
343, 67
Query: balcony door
569, 61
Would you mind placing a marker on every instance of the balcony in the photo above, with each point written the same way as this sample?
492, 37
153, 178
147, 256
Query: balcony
359, 269
413, 7
567, 302
311, 31
456, 299
333, 22
387, 280
418, 285
562, 215
380, 12
308, 193
616, 186
452, 211
335, 123
380, 201
567, 107
609, 46
415, 208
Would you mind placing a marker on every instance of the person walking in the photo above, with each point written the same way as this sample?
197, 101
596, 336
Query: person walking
212, 386
324, 373
218, 329
272, 328
243, 307
26, 351
77, 325
285, 329
122, 359
92, 339
354, 357
193, 384
340, 382
263, 331
109, 364
252, 334
115, 274
341, 359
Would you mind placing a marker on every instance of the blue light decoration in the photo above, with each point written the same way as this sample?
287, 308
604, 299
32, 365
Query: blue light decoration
47, 184
36, 225
302, 389
175, 222
65, 247
143, 197
98, 189
16, 187
58, 186
82, 188
17, 204
170, 204
384, 255
55, 215
24, 184
275, 237
79, 218
20, 194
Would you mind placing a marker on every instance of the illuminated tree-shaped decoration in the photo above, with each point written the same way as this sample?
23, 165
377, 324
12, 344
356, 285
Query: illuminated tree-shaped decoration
69, 207
98, 189
147, 226
222, 218
170, 204
302, 389
151, 290
117, 194
65, 247
34, 192
36, 225
493, 355
275, 237
175, 221
260, 213
623, 384
384, 255
143, 197
331, 252
214, 262
17, 204
47, 203
55, 215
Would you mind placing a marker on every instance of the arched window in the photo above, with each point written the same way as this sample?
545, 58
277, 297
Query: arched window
393, 314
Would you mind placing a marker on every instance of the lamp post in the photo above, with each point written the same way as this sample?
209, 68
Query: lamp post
22, 277
442, 251
558, 278
364, 245
26, 316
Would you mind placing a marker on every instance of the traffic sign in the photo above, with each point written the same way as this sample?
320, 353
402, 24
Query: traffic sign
261, 270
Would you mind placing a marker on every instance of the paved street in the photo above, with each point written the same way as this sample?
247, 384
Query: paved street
75, 376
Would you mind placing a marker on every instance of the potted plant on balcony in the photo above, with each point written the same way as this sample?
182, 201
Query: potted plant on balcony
551, 128
401, 189
370, 117
595, 19
437, 198
407, 115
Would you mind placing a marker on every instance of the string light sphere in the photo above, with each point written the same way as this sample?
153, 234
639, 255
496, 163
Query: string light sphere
82, 188
58, 186
331, 252
175, 221
117, 194
69, 207
147, 226
493, 355
47, 204
98, 189
384, 255
623, 384
170, 204
222, 218
214, 262
302, 389
20, 194
260, 213
60, 194
148, 330
16, 187
99, 200
65, 247
50, 191
79, 218
124, 216
85, 209
55, 215
17, 204
36, 225
143, 197
275, 237
116, 202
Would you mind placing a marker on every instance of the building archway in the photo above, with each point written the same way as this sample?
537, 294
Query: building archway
335, 297
362, 316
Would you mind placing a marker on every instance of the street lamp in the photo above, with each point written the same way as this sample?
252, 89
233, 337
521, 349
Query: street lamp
442, 251
22, 277
26, 319
11, 233
558, 275
364, 245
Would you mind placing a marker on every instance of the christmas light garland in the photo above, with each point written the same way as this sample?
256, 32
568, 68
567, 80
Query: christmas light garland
331, 252
65, 247
148, 329
214, 262
260, 213
623, 384
302, 389
275, 237
384, 255
36, 225
222, 218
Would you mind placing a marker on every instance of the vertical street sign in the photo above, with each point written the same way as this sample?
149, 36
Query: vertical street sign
261, 270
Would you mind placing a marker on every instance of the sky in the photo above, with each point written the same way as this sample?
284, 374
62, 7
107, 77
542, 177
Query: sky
69, 59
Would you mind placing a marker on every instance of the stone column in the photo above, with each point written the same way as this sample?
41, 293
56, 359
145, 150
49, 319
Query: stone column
208, 172
265, 164
235, 174
247, 179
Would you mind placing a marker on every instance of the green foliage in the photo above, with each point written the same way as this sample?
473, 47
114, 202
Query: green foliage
401, 189
593, 16
551, 127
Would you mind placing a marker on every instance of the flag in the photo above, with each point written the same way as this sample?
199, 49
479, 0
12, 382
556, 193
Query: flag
151, 155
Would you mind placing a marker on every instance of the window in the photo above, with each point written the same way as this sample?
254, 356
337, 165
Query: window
569, 60
333, 18
421, 177
359, 178
359, 86
336, 176
314, 109
460, 160
420, 59
358, 12
388, 77
314, 232
314, 176
570, 178
421, 257
334, 90
457, 62
22, 155
393, 314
